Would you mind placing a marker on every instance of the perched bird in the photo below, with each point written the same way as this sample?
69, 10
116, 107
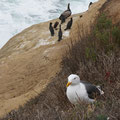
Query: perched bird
69, 24
90, 4
56, 24
60, 33
65, 14
51, 29
62, 19
81, 16
80, 90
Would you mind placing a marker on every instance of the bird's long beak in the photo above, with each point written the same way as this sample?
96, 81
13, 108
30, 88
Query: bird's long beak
69, 83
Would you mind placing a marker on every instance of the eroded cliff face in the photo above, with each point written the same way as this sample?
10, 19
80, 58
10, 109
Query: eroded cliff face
30, 60
112, 9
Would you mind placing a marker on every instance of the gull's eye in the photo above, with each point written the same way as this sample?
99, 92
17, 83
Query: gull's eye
74, 78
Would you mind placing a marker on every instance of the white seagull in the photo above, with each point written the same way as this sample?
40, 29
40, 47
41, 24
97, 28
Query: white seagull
80, 90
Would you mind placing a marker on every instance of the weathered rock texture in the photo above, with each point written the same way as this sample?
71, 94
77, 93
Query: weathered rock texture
30, 60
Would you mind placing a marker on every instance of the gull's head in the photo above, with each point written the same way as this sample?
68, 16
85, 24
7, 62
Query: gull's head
73, 79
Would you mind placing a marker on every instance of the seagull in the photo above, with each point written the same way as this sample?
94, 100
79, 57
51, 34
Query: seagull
78, 90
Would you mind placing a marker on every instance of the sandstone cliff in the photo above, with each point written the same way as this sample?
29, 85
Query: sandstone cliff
30, 60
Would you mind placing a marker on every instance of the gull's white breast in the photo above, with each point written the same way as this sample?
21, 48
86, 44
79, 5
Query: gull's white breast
76, 93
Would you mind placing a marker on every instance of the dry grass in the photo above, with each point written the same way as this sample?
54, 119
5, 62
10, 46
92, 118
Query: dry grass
96, 58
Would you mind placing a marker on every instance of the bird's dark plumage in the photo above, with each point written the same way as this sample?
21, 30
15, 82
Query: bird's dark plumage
81, 16
51, 29
60, 34
65, 14
62, 18
56, 24
90, 4
92, 90
69, 24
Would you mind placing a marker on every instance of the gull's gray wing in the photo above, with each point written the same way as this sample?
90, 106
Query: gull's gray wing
92, 90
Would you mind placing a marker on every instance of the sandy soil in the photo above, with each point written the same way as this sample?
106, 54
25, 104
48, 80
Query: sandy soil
30, 60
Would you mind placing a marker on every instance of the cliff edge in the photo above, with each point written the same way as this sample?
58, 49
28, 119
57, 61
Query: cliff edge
30, 60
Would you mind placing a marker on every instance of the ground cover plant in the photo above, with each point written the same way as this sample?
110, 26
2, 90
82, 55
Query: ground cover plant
95, 57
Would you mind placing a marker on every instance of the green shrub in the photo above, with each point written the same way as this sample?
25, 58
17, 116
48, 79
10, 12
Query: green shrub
106, 35
116, 35
90, 53
101, 117
103, 22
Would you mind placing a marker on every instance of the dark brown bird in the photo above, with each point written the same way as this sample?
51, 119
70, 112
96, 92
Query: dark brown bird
65, 14
90, 4
69, 24
51, 29
81, 16
60, 34
55, 25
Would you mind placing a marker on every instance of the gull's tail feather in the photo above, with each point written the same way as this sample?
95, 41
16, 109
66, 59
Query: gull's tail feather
101, 92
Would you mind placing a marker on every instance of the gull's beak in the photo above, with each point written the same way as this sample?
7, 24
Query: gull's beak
69, 83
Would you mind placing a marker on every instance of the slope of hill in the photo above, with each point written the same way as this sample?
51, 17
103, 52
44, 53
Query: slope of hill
31, 59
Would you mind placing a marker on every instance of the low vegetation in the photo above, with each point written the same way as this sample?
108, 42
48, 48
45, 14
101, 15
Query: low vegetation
96, 58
